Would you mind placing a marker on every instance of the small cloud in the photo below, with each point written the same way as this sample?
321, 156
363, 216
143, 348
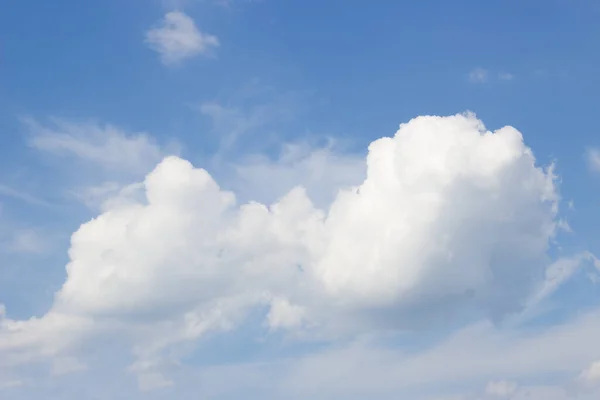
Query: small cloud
482, 75
478, 75
178, 39
592, 157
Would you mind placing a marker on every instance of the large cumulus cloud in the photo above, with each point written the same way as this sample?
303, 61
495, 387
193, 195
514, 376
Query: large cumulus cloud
450, 218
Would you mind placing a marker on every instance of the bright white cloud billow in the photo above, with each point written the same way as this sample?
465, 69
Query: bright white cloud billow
178, 39
450, 220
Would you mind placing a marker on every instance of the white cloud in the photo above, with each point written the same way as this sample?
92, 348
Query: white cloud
468, 357
104, 145
450, 219
107, 157
592, 157
178, 39
39, 338
473, 353
482, 75
467, 360
558, 273
478, 75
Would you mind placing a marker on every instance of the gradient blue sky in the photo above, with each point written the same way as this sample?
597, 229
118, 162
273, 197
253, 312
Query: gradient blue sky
290, 78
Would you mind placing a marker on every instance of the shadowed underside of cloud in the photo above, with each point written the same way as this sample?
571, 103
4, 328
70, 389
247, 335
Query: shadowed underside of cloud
451, 221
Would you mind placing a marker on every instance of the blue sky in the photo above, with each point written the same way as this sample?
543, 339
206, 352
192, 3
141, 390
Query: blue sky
213, 198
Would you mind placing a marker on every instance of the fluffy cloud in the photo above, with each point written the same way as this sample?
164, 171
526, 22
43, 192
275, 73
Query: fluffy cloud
450, 219
39, 338
447, 212
178, 39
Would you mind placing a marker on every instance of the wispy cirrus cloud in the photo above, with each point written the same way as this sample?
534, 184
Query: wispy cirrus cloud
106, 146
28, 198
251, 112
